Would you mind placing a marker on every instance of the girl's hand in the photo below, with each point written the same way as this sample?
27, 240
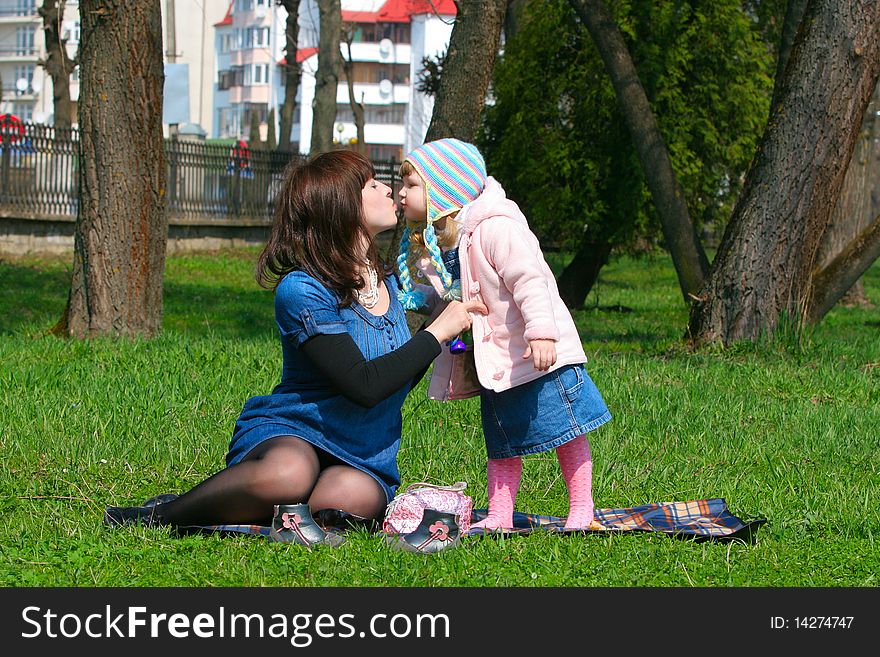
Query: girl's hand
454, 319
543, 352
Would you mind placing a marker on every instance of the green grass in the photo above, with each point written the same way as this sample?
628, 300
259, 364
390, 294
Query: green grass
786, 430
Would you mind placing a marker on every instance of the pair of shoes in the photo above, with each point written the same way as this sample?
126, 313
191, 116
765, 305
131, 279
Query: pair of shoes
116, 516
437, 531
293, 523
159, 499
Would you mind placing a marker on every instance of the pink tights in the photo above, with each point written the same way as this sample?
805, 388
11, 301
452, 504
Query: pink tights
577, 470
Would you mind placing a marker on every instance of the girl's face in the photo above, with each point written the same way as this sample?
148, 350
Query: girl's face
378, 207
412, 198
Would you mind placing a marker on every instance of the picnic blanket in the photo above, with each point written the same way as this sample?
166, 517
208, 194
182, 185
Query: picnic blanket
700, 520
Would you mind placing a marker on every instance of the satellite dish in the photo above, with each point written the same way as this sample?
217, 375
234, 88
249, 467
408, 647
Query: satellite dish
385, 87
385, 47
22, 84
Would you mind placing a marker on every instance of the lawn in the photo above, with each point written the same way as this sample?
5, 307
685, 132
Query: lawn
786, 430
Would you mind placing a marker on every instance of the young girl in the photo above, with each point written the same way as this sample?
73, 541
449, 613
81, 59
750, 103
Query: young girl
525, 358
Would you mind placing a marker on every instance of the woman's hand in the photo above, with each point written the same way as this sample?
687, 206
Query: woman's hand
543, 352
454, 319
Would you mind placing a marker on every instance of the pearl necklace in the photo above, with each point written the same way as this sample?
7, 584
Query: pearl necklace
371, 298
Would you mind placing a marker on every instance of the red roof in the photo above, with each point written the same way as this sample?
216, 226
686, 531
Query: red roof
302, 54
227, 19
400, 11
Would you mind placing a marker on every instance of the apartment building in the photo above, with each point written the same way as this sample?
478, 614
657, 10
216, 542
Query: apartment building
389, 39
188, 39
27, 89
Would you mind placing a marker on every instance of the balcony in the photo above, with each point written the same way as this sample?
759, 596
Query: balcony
12, 15
249, 94
18, 54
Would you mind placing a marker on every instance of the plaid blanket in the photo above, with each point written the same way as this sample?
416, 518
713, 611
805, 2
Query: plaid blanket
698, 519
708, 519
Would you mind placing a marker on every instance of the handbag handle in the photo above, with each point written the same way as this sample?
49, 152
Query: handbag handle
457, 487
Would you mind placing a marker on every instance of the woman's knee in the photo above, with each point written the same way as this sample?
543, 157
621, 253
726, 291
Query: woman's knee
347, 488
286, 470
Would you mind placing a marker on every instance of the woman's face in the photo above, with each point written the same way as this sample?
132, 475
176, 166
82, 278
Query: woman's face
378, 203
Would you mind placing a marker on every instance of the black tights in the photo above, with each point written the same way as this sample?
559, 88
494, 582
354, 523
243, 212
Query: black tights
282, 470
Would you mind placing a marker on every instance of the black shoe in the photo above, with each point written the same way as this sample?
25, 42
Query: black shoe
159, 499
293, 523
342, 521
131, 515
437, 531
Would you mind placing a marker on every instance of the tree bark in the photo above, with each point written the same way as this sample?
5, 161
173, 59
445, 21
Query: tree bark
769, 251
327, 76
859, 199
292, 73
467, 69
581, 274
688, 256
122, 227
58, 63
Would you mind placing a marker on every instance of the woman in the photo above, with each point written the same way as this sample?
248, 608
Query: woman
327, 436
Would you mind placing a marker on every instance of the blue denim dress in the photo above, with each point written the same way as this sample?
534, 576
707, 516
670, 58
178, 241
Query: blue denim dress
304, 404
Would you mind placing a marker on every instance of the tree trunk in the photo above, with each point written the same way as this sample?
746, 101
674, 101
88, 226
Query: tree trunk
579, 276
830, 284
512, 18
859, 200
292, 73
357, 108
769, 251
122, 227
327, 75
58, 64
794, 14
467, 69
688, 256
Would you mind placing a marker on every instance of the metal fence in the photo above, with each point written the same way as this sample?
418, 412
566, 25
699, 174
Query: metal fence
39, 176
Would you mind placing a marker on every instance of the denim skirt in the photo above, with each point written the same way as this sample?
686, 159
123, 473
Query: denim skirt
541, 414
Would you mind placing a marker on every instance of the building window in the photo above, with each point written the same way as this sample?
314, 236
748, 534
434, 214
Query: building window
227, 43
380, 114
26, 7
380, 152
72, 32
375, 72
24, 72
24, 40
225, 80
24, 111
375, 32
256, 37
256, 74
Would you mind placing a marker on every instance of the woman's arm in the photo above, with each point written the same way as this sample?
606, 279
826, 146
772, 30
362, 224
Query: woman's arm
368, 382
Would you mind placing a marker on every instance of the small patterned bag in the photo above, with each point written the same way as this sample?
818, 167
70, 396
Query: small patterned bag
404, 513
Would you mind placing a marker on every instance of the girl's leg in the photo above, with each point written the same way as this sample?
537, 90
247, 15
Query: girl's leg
503, 476
577, 470
281, 470
344, 487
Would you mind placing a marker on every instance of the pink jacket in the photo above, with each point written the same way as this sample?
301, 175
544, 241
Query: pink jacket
502, 265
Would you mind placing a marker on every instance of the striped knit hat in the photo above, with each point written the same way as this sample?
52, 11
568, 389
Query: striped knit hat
454, 174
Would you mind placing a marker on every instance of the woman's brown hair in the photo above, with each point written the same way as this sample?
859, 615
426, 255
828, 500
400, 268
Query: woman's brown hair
319, 225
